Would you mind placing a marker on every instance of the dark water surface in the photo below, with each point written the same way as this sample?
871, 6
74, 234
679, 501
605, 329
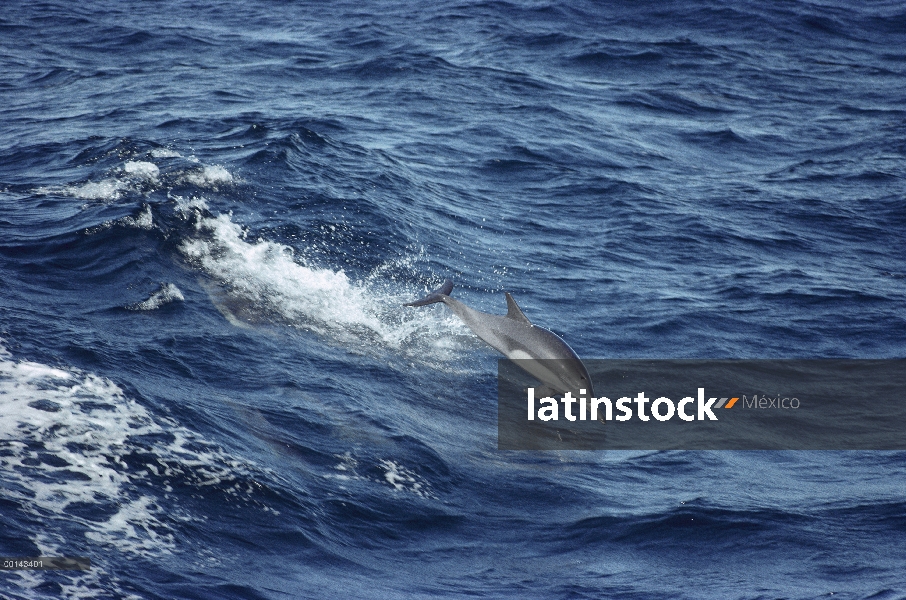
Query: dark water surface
211, 213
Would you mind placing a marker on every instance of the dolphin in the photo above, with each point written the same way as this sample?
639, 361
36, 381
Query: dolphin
517, 338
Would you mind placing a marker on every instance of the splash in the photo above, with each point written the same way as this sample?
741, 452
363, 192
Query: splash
106, 189
141, 176
210, 176
165, 295
142, 170
266, 275
264, 280
143, 220
165, 153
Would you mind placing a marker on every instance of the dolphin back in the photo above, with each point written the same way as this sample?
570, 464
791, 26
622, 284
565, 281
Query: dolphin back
435, 296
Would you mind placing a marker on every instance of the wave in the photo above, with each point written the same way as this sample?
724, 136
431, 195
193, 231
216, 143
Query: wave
261, 278
97, 468
254, 280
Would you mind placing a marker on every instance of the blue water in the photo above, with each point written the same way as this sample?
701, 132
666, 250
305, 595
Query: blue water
211, 213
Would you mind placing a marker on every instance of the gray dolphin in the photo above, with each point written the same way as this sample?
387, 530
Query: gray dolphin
513, 335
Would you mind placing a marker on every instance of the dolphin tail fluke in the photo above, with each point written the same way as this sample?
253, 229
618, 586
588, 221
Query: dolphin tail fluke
435, 296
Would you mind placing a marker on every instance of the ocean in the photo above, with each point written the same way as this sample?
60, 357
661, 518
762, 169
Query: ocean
212, 213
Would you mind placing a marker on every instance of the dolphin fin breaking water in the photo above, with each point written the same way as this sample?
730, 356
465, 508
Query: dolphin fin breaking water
514, 336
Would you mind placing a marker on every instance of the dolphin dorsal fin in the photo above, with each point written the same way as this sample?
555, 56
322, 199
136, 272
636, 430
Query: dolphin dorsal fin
513, 311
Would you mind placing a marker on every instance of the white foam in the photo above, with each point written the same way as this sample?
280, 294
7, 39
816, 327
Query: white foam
186, 206
210, 176
143, 220
265, 272
89, 428
112, 188
398, 477
106, 189
142, 170
165, 153
402, 479
136, 176
49, 409
166, 294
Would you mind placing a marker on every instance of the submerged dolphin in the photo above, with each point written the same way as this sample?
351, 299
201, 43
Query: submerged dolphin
518, 338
